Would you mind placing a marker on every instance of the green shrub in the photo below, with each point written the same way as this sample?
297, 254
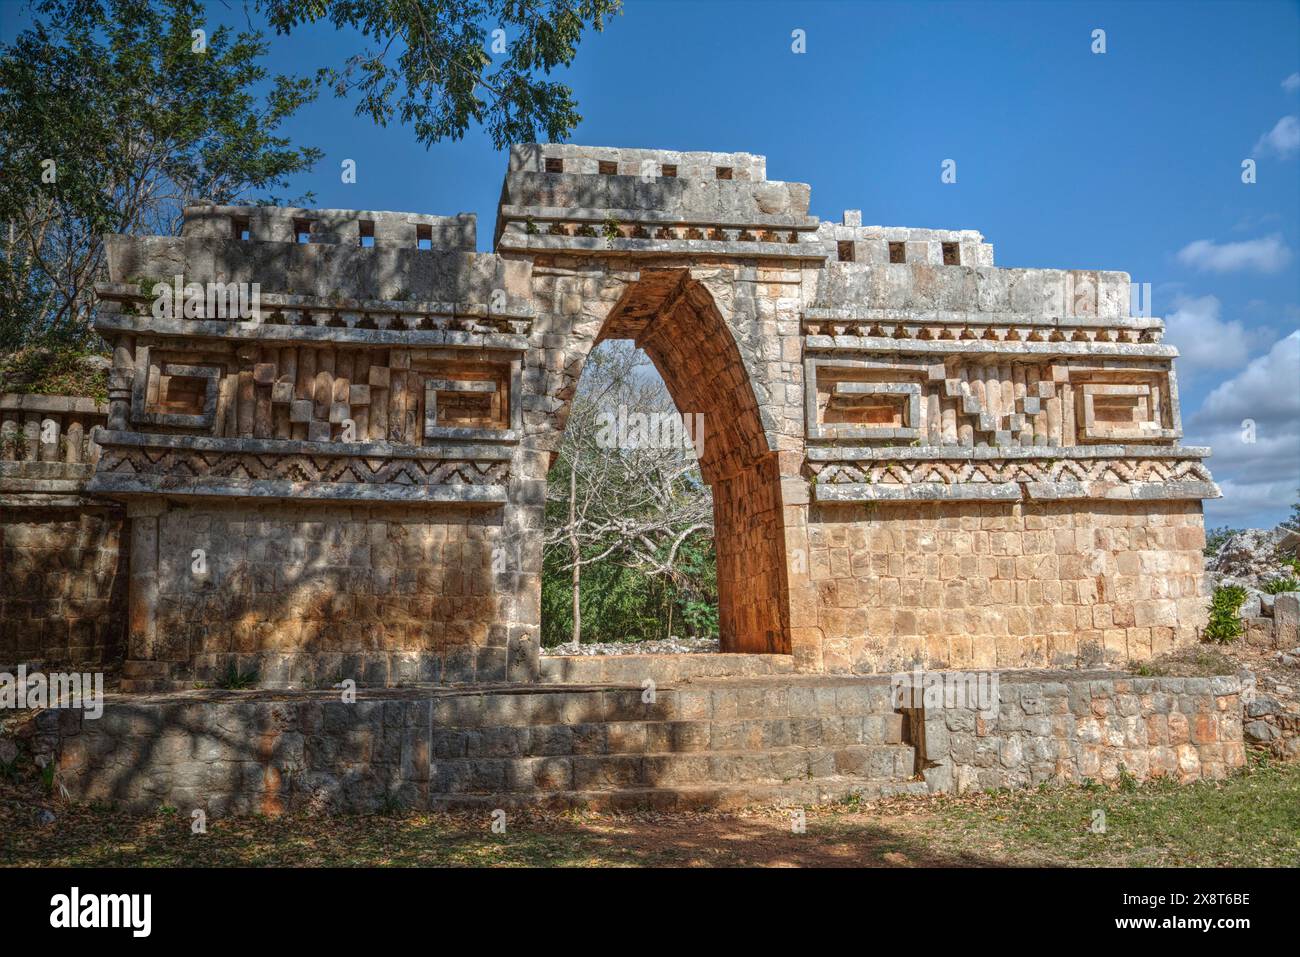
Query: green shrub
1215, 537
1224, 625
53, 371
1275, 586
233, 680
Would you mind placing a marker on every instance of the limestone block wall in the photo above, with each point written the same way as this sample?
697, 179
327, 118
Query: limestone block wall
1005, 585
352, 227
345, 457
691, 164
850, 241
311, 594
63, 577
1067, 728
752, 586
342, 275
915, 457
63, 569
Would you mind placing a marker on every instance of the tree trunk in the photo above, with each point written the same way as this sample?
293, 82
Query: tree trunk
575, 555
671, 594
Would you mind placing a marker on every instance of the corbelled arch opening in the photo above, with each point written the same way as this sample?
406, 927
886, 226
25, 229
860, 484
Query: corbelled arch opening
673, 318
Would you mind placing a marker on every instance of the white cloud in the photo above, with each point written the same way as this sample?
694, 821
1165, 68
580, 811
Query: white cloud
1204, 340
1283, 139
1259, 478
1267, 255
1291, 83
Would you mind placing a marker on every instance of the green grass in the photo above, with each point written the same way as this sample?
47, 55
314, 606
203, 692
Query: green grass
1253, 819
1250, 819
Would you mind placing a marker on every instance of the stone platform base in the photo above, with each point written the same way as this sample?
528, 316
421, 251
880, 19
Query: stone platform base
707, 742
381, 669
661, 669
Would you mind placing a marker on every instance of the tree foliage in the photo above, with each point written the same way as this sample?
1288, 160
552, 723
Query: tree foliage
112, 118
110, 122
1293, 522
630, 512
447, 70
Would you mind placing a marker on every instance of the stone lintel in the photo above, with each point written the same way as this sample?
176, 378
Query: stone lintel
632, 216
1011, 491
823, 314
306, 335
1125, 491
958, 453
273, 301
1136, 350
17, 498
54, 404
599, 246
43, 486
919, 492
73, 471
130, 486
207, 443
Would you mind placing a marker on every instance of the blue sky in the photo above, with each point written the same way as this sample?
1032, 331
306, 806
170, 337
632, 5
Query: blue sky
1125, 160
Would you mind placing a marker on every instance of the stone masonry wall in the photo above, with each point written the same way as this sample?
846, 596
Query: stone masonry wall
977, 586
62, 586
368, 591
751, 569
795, 739
1061, 728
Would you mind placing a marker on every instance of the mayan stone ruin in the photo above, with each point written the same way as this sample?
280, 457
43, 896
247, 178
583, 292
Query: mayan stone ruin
918, 459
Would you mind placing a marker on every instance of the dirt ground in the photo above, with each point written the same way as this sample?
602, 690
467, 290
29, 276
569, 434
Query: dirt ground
1251, 819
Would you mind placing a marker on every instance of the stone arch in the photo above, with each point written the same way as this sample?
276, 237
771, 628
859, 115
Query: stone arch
675, 320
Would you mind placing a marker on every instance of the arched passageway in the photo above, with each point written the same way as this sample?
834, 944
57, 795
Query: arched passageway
675, 320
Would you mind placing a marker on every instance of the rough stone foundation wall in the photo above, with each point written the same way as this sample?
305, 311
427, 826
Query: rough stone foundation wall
1053, 727
307, 595
266, 752
979, 586
62, 586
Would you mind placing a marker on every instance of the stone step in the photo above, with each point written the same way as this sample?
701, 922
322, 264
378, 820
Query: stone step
641, 737
669, 769
662, 669
150, 686
827, 790
727, 699
135, 668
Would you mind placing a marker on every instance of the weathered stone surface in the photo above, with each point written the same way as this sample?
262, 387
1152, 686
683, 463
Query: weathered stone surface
760, 740
915, 456
63, 577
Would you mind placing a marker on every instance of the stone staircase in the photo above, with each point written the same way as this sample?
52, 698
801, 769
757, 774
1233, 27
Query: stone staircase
697, 742
710, 742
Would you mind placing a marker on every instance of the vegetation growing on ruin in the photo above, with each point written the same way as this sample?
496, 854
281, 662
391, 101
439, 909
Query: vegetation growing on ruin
55, 371
1224, 625
1215, 537
629, 523
1280, 584
83, 155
